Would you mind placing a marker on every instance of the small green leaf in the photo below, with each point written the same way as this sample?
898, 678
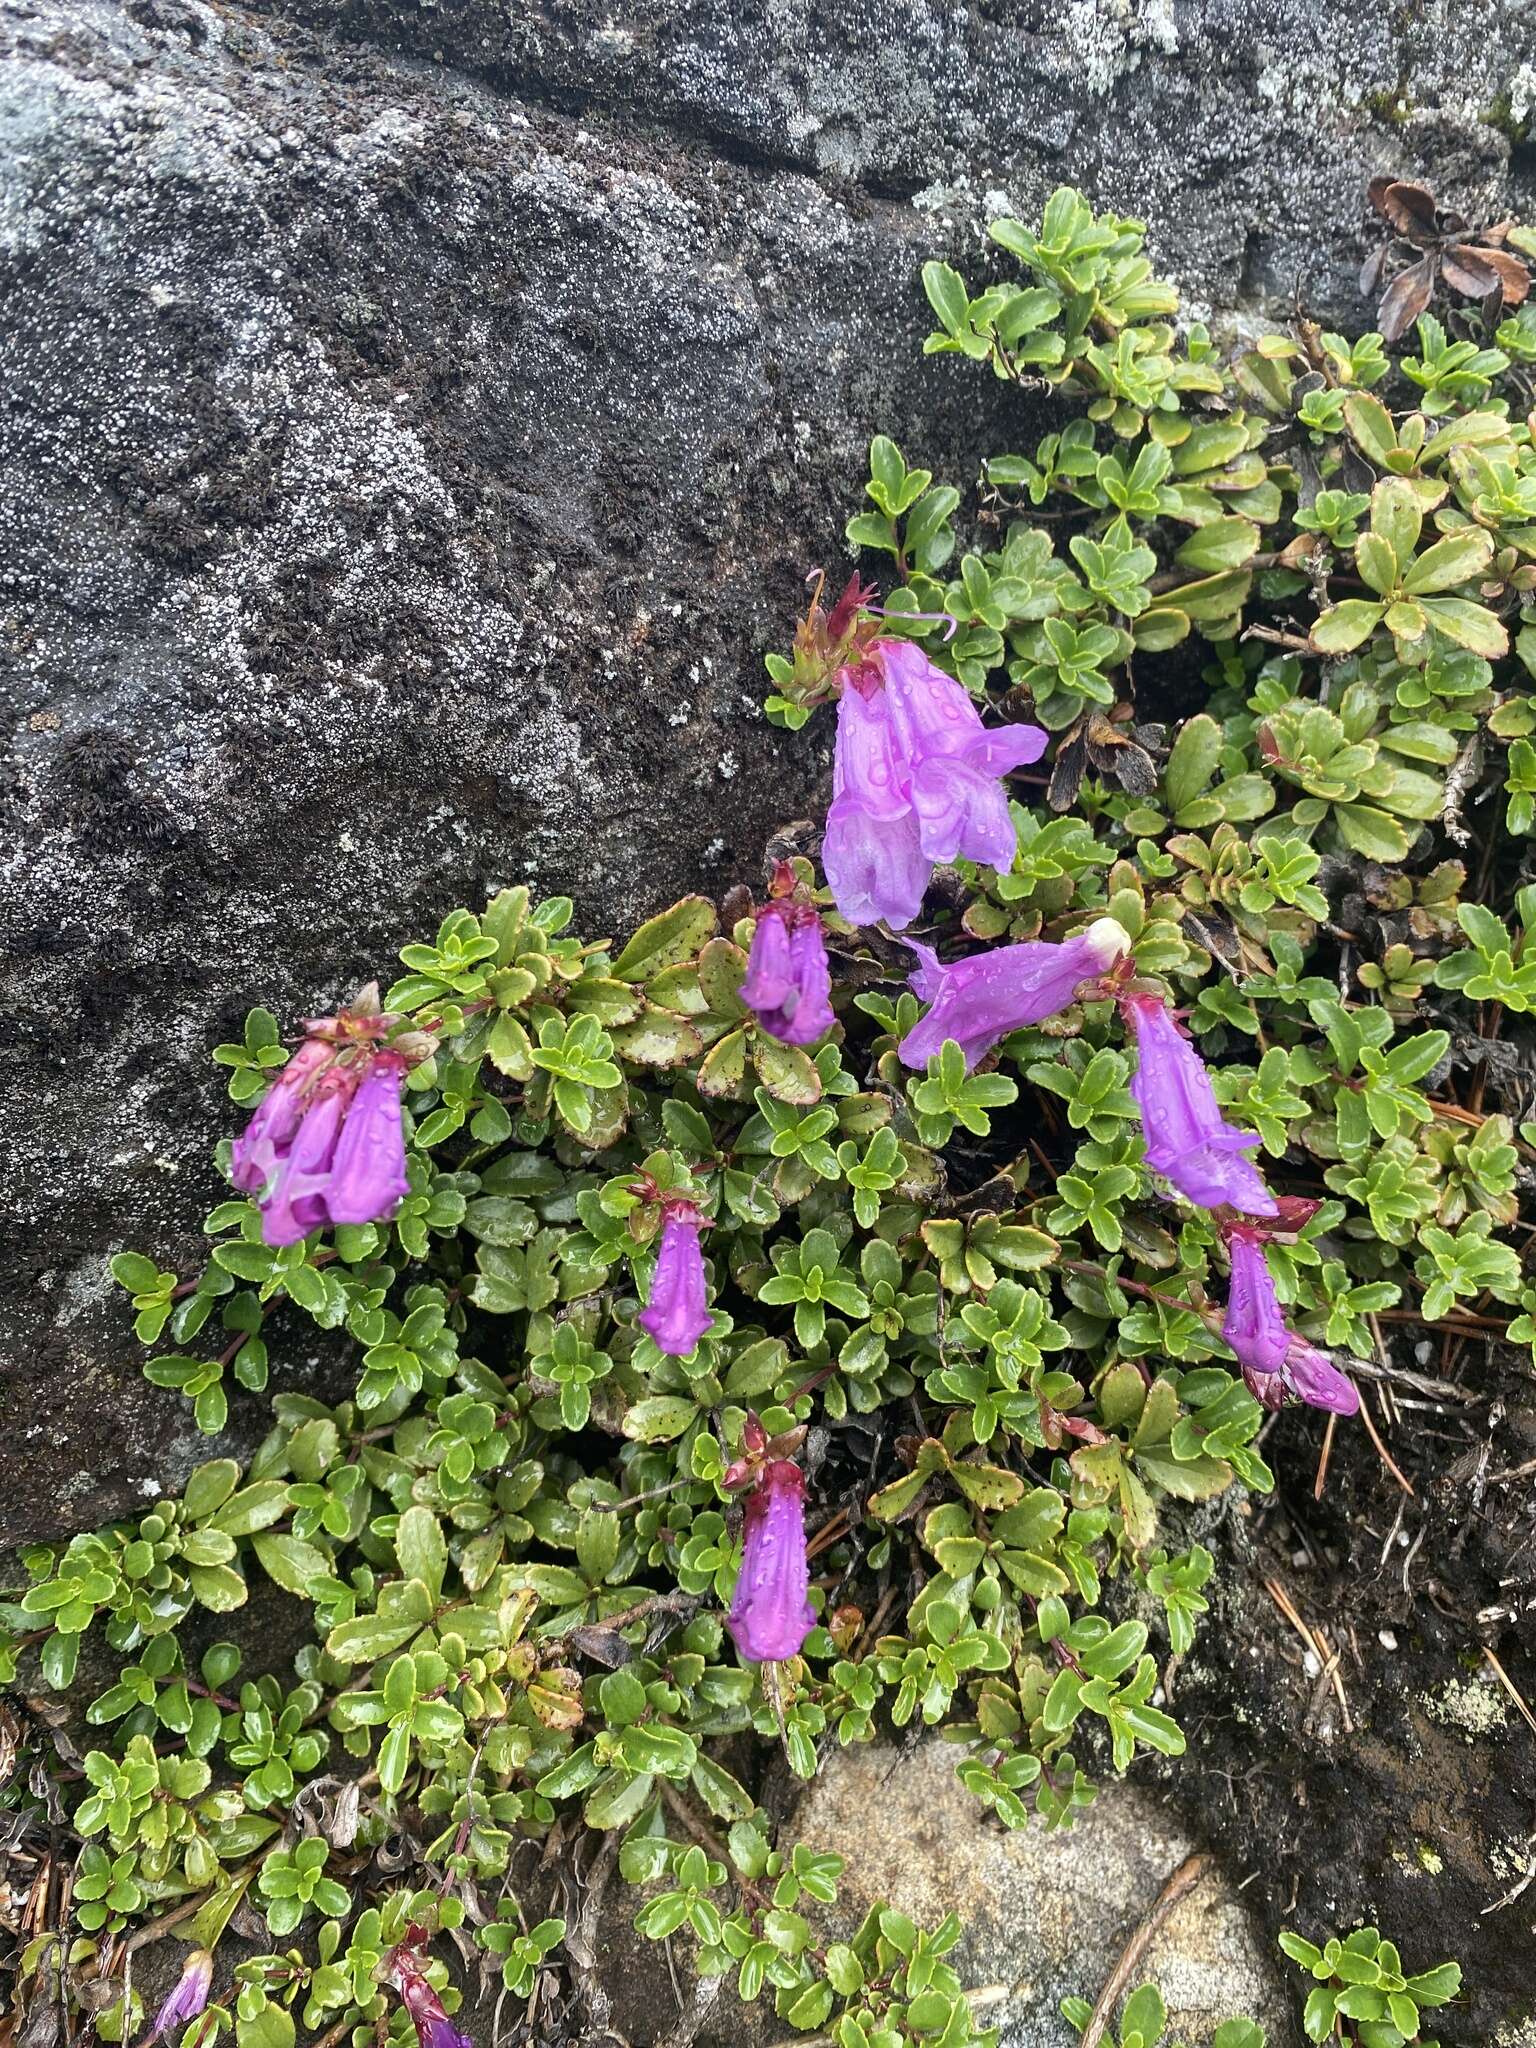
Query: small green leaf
677, 934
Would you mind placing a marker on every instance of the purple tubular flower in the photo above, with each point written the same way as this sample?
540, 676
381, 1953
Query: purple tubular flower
434, 2029
1306, 1374
869, 762
875, 867
1188, 1142
259, 1147
188, 1997
677, 1314
789, 983
1314, 1378
771, 1614
916, 779
955, 764
367, 1177
294, 1203
980, 1000
1255, 1324
1275, 1361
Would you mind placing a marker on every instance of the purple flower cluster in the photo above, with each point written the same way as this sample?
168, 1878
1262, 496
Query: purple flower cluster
789, 983
677, 1315
916, 779
980, 1000
1275, 1361
771, 1614
326, 1143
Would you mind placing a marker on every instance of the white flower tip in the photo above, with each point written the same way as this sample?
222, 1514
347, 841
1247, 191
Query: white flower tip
1109, 939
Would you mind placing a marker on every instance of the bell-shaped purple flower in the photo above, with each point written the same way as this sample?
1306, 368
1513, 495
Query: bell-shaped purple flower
771, 1614
789, 983
1188, 1142
1276, 1363
367, 1177
875, 867
869, 761
188, 1996
677, 1315
980, 1000
1255, 1323
955, 763
1312, 1376
916, 779
294, 1202
1304, 1374
254, 1157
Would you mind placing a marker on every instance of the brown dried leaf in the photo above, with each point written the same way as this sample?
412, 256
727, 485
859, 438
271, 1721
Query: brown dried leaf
1071, 765
1220, 940
1465, 270
1373, 270
604, 1646
1377, 191
1409, 208
1514, 276
1405, 299
1113, 752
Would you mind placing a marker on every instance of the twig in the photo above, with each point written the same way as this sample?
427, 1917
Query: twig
1509, 1686
1322, 1464
1511, 1895
831, 1531
1464, 773
1421, 1382
1178, 1886
1331, 1673
166, 1922
1327, 1662
695, 2015
1381, 1450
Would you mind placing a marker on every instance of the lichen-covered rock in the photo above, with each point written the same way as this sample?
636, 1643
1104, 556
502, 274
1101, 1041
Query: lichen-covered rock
1046, 1915
417, 425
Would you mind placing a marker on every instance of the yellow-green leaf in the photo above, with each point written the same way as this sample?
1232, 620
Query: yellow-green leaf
509, 1049
657, 1038
1397, 516
1376, 562
1342, 628
1371, 426
1222, 544
726, 1067
1159, 628
1469, 625
787, 1071
663, 941
1456, 559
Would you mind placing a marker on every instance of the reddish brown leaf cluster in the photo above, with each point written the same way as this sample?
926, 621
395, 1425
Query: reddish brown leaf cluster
1440, 247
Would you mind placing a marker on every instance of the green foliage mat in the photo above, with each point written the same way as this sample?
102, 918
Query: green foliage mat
513, 1538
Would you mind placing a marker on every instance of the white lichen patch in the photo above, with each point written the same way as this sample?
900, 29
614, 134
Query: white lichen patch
1474, 1705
